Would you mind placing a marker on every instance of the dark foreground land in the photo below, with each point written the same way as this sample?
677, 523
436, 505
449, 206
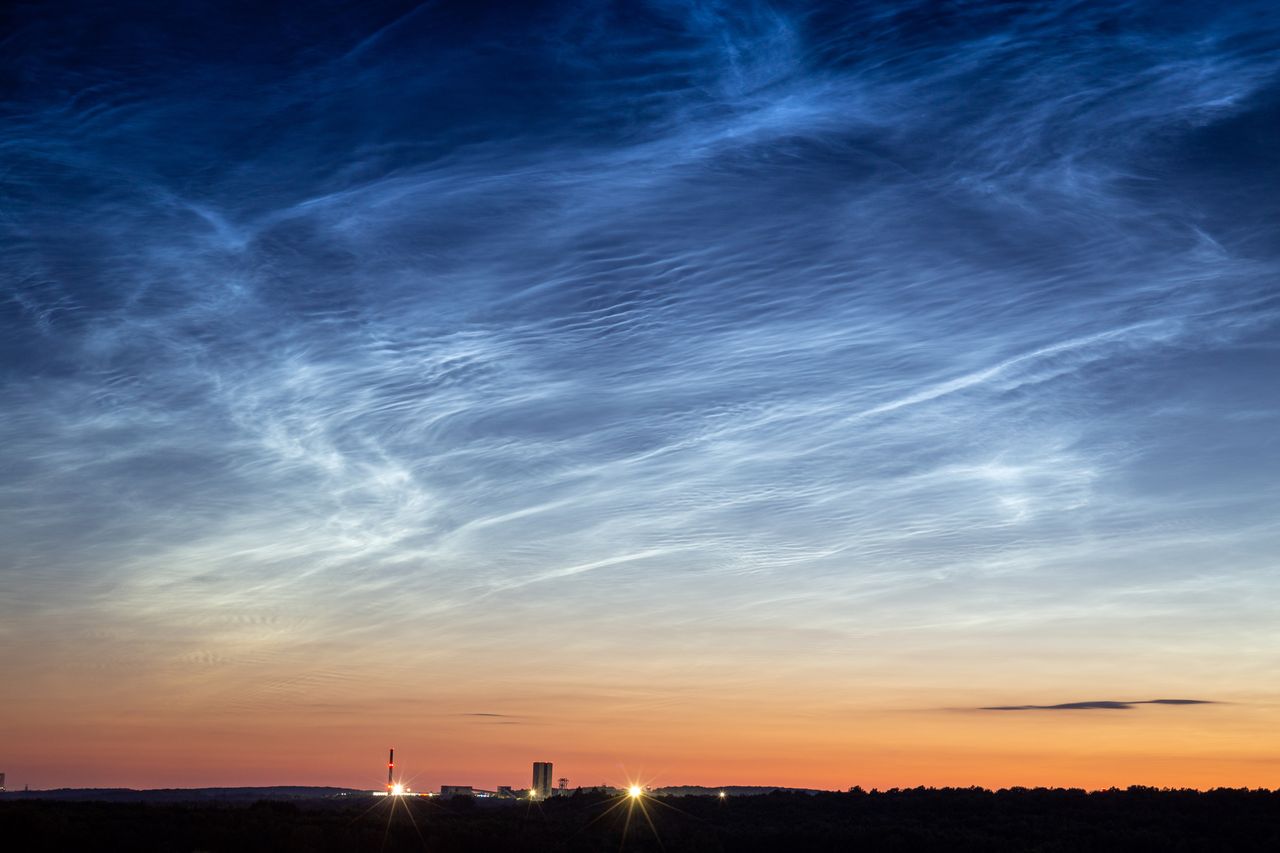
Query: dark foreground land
1136, 819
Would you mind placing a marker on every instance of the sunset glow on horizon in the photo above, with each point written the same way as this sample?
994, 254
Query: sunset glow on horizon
731, 394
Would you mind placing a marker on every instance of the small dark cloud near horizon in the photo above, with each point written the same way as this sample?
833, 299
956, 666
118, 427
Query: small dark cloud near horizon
1099, 705
492, 719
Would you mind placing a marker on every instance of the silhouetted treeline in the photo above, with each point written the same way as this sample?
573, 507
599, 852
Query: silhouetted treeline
918, 819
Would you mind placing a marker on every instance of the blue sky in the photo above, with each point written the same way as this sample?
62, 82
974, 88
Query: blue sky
922, 356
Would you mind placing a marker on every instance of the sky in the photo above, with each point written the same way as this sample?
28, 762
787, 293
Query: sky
693, 392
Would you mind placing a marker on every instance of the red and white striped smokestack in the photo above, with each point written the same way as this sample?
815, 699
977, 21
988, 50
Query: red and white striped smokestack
391, 766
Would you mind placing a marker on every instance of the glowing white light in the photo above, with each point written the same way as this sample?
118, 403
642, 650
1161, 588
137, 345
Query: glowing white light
722, 795
635, 791
397, 789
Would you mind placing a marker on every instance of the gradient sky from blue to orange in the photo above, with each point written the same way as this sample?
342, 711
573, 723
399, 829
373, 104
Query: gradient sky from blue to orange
725, 393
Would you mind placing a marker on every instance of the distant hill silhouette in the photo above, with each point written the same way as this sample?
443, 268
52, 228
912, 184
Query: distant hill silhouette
182, 795
730, 790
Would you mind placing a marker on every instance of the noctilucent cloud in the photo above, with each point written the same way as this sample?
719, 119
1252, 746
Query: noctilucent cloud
716, 392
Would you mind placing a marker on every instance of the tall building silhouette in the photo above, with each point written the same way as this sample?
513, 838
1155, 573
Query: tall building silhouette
542, 778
